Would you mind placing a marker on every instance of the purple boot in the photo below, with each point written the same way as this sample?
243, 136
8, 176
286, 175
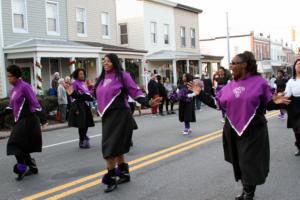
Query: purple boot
123, 173
110, 180
20, 170
85, 144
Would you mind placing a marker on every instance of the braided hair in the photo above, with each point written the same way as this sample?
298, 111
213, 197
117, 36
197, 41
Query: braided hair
250, 60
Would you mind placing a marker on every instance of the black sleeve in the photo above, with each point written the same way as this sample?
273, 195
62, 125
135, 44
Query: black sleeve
5, 112
43, 116
207, 99
143, 101
83, 97
273, 106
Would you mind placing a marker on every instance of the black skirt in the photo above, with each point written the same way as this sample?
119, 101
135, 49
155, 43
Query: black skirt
249, 154
117, 128
80, 115
293, 110
26, 136
187, 111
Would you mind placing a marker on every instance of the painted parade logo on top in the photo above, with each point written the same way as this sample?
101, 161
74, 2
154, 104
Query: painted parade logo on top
106, 82
238, 91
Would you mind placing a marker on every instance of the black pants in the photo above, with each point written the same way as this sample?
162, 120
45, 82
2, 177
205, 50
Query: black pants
24, 159
297, 136
168, 102
82, 133
132, 106
161, 106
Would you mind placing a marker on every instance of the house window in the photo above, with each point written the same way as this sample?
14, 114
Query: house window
124, 33
105, 25
182, 36
193, 38
166, 33
52, 18
153, 30
19, 16
81, 21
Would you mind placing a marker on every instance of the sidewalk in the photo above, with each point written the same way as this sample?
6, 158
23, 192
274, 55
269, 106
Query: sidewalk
5, 134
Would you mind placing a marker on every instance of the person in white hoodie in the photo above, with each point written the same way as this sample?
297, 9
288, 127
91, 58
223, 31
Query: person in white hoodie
62, 99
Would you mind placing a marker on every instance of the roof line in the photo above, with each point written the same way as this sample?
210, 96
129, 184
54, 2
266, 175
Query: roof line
223, 37
189, 8
176, 5
109, 47
163, 2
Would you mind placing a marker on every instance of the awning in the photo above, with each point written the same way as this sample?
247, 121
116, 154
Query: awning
51, 48
173, 55
264, 67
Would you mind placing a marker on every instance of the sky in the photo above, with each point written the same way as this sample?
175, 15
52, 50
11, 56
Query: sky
276, 17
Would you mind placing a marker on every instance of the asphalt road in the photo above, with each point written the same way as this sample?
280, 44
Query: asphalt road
165, 165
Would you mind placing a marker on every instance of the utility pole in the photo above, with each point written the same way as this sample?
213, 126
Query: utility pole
228, 38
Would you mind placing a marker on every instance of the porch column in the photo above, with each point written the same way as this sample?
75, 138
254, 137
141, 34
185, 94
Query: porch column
3, 89
174, 72
124, 64
187, 66
98, 65
38, 81
72, 64
200, 67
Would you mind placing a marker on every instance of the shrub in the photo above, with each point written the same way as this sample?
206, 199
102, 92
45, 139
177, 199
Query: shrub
49, 103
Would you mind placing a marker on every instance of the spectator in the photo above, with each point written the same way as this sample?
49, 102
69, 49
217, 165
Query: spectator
153, 92
54, 83
62, 100
162, 93
169, 89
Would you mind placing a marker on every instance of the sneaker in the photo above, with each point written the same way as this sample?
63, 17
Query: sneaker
85, 144
222, 120
297, 153
185, 132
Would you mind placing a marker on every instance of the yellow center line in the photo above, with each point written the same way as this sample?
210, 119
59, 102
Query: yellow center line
93, 176
149, 162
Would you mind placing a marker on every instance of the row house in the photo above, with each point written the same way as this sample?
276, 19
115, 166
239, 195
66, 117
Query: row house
49, 36
268, 53
168, 31
2, 63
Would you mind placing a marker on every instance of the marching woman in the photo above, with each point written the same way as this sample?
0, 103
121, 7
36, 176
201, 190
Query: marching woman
25, 137
112, 90
293, 91
186, 105
80, 112
245, 132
